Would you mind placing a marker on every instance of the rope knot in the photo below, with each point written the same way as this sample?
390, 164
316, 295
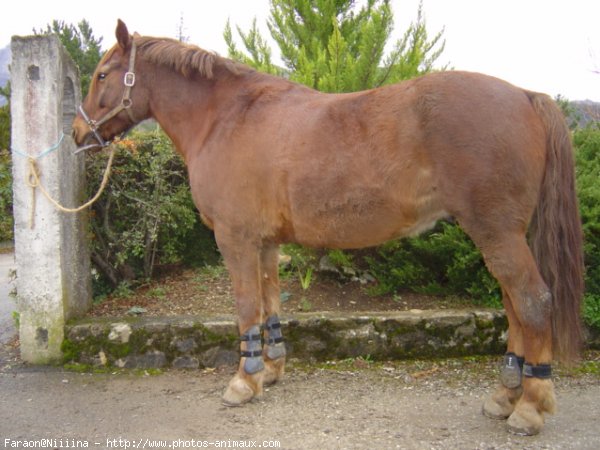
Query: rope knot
33, 177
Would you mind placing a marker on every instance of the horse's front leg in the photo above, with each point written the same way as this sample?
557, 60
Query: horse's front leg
274, 349
243, 262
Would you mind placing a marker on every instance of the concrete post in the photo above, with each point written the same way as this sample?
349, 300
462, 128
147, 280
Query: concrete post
51, 251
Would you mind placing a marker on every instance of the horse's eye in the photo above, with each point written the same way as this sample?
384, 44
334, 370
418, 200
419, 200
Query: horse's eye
101, 76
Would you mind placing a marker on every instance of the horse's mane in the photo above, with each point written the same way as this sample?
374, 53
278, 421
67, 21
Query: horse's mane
184, 58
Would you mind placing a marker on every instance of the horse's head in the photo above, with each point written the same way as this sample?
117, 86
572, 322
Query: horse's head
112, 105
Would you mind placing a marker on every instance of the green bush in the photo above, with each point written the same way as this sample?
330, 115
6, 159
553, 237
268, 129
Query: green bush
302, 260
146, 218
6, 207
587, 144
444, 261
6, 213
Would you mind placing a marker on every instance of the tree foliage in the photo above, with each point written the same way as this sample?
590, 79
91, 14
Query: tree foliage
5, 117
335, 46
5, 126
259, 52
6, 216
6, 205
587, 144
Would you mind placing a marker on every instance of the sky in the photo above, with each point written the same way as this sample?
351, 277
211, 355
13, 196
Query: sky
550, 46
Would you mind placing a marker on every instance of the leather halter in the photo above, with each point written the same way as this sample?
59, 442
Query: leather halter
125, 105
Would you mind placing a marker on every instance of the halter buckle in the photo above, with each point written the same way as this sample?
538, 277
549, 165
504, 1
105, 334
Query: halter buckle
129, 79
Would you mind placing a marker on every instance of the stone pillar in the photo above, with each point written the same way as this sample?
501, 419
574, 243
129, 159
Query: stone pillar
51, 250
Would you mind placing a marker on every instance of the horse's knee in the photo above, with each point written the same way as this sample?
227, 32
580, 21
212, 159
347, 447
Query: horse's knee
530, 298
535, 309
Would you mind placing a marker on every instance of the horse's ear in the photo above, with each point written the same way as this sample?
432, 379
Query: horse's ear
123, 37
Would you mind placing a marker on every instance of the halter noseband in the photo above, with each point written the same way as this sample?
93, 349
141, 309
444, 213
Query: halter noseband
126, 103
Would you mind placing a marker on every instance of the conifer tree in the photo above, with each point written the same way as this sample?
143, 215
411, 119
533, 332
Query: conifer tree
335, 46
259, 52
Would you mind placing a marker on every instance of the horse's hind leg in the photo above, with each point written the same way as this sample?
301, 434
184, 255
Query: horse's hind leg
510, 260
274, 348
242, 259
502, 403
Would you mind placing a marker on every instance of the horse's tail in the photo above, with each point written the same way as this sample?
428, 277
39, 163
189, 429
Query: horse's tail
556, 236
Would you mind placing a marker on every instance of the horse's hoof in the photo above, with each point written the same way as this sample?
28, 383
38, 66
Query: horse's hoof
528, 424
274, 370
496, 411
501, 404
237, 393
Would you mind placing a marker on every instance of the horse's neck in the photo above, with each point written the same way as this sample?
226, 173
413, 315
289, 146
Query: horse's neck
182, 108
188, 109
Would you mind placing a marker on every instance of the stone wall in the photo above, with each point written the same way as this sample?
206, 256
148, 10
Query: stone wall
193, 342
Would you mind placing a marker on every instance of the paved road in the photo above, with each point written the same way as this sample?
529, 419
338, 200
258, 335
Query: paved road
7, 303
364, 407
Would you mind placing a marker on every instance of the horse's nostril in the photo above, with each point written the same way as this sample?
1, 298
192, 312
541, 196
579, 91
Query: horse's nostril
75, 135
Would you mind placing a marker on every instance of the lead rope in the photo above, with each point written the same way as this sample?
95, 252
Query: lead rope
33, 181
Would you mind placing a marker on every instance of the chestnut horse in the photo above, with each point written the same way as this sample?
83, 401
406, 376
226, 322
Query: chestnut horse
271, 161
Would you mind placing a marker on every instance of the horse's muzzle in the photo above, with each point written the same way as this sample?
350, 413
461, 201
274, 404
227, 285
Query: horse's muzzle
85, 136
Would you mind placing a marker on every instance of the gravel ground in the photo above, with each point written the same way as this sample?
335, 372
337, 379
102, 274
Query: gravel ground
352, 404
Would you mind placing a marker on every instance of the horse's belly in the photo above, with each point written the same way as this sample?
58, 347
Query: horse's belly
364, 220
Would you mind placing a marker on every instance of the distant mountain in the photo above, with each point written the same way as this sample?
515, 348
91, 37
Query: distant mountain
4, 73
586, 111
